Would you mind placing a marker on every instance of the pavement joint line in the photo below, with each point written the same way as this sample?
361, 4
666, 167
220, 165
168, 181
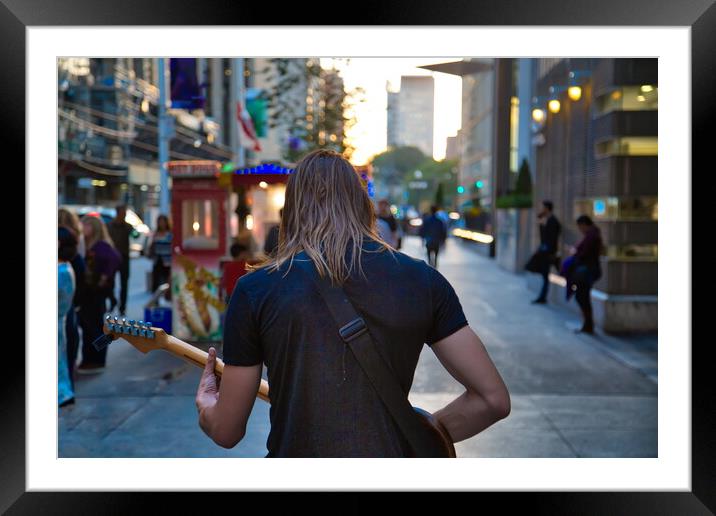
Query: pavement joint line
118, 425
558, 432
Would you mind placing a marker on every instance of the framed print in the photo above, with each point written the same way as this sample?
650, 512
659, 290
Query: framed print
514, 150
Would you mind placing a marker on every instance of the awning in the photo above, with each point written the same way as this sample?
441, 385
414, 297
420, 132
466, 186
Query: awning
460, 68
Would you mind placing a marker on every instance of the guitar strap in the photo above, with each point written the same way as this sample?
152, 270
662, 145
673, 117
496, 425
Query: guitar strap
354, 332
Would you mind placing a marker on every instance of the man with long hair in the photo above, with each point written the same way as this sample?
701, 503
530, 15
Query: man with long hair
323, 404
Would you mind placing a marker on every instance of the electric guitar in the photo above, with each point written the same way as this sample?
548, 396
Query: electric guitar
143, 336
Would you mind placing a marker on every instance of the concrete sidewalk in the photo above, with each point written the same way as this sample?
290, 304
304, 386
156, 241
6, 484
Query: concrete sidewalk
572, 395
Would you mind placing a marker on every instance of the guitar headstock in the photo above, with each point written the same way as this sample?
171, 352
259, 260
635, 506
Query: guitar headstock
142, 335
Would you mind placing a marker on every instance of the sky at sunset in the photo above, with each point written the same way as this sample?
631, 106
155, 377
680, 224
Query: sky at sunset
370, 131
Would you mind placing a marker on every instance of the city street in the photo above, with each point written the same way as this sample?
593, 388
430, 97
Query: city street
572, 395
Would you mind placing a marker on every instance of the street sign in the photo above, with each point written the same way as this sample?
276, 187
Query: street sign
418, 185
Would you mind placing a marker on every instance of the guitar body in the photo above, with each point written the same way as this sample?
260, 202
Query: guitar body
443, 442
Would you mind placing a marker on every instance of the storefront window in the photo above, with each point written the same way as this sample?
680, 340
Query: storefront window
618, 208
633, 252
628, 98
200, 229
627, 146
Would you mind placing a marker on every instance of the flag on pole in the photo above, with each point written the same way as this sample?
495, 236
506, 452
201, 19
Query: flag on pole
246, 126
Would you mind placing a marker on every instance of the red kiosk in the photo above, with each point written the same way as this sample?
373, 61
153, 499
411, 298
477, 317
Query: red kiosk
201, 201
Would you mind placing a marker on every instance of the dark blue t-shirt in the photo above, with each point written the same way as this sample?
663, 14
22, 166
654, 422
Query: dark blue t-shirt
322, 404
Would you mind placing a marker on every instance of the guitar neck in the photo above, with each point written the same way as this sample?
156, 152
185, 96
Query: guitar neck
197, 357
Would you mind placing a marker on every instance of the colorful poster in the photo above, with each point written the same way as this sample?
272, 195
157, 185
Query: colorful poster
197, 308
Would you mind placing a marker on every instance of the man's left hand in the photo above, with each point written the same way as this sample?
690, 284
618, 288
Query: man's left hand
208, 392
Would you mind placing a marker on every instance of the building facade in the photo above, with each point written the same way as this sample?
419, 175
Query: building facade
410, 114
596, 155
108, 128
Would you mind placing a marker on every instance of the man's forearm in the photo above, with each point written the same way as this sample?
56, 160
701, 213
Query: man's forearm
206, 420
468, 415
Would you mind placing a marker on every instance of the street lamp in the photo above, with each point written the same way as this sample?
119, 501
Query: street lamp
574, 88
553, 103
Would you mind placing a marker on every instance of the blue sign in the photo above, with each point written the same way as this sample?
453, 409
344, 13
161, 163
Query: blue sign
599, 207
185, 88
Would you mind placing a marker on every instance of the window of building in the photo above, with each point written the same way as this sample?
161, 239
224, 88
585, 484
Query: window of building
637, 208
627, 146
640, 252
628, 98
200, 224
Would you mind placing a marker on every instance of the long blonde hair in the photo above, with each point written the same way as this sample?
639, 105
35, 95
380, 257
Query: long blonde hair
99, 231
68, 219
328, 214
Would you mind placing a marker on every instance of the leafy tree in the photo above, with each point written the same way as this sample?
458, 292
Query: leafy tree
524, 180
318, 122
441, 179
521, 195
393, 166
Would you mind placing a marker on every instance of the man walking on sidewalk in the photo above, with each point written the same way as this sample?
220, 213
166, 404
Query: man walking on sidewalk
434, 233
119, 232
546, 256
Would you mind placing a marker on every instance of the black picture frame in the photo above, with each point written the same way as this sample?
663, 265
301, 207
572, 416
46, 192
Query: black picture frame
699, 15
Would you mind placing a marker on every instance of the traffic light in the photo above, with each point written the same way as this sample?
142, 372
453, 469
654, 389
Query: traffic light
460, 189
479, 184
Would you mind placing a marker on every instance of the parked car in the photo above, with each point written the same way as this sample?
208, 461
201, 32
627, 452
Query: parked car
140, 236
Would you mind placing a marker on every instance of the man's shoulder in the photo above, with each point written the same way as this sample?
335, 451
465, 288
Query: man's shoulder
400, 263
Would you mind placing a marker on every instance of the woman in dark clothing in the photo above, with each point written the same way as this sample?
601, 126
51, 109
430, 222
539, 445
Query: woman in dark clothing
586, 269
102, 263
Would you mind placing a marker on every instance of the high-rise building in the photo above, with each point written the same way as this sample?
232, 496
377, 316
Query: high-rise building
410, 113
452, 147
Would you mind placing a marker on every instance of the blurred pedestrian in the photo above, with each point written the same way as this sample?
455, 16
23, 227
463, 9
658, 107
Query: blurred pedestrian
66, 251
70, 221
120, 231
233, 270
384, 214
546, 255
271, 242
583, 269
284, 315
159, 251
102, 263
434, 234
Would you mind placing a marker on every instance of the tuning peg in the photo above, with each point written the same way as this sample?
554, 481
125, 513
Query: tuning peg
131, 322
147, 325
141, 324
